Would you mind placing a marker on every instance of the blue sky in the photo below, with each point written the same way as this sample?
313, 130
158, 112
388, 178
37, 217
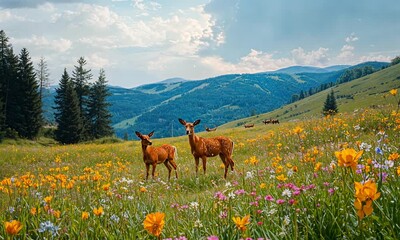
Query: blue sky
139, 42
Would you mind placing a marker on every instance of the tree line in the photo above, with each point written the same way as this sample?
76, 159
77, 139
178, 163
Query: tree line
81, 107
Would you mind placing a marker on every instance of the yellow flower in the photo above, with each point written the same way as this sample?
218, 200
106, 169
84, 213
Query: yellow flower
398, 170
348, 158
318, 166
48, 199
12, 228
154, 223
98, 211
366, 191
253, 160
143, 189
393, 92
85, 215
263, 185
57, 213
281, 178
241, 222
298, 130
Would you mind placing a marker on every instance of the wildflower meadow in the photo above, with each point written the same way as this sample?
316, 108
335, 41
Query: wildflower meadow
334, 177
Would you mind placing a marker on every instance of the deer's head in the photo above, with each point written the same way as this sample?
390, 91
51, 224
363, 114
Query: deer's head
145, 138
189, 126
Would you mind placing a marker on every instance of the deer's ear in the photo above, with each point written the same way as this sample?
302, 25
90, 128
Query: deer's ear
138, 134
196, 122
183, 122
151, 134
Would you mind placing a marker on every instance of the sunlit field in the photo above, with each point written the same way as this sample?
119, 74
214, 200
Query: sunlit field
336, 177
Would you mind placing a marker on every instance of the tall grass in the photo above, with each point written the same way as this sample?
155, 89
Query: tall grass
287, 178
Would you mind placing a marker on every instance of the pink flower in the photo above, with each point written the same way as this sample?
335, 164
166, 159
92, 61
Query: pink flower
212, 238
269, 198
280, 201
240, 192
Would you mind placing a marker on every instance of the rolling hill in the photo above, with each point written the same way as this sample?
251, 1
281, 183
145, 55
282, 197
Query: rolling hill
215, 101
365, 92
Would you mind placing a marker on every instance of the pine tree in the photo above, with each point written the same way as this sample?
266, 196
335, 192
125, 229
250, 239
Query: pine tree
4, 47
67, 115
100, 117
81, 77
330, 106
28, 98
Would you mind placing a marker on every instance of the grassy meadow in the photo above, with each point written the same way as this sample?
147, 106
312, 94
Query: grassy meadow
336, 177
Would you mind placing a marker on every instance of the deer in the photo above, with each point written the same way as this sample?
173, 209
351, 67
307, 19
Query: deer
211, 129
209, 147
248, 125
267, 121
156, 155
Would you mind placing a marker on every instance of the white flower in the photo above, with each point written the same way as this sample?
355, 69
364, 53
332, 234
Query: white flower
290, 173
249, 175
198, 224
357, 127
231, 195
286, 220
365, 146
228, 184
286, 193
194, 205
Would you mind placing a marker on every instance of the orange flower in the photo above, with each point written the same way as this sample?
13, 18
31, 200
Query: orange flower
393, 156
317, 166
98, 211
143, 189
57, 213
393, 92
281, 178
154, 223
12, 228
106, 187
363, 208
33, 211
366, 191
348, 158
85, 215
241, 222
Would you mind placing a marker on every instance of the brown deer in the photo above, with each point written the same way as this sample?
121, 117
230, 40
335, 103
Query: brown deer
211, 129
209, 147
267, 121
157, 155
249, 125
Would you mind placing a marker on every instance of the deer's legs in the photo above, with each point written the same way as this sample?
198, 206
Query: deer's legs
196, 159
204, 160
154, 169
169, 169
226, 163
147, 171
173, 164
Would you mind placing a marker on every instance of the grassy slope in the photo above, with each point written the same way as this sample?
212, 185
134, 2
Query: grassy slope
366, 91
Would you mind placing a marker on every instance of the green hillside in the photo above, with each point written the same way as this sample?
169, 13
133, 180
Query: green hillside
364, 92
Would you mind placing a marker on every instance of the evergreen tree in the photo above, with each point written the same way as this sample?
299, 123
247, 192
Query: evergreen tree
4, 49
13, 97
28, 98
330, 106
100, 117
67, 115
81, 77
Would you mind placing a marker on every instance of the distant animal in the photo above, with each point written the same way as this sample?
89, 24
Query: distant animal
249, 125
267, 121
156, 155
211, 129
275, 121
209, 147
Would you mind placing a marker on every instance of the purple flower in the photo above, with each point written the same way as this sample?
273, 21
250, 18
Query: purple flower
220, 196
240, 192
331, 191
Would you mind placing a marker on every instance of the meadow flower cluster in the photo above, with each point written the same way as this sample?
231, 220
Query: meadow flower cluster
333, 177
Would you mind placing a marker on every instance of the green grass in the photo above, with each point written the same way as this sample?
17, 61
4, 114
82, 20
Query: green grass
287, 178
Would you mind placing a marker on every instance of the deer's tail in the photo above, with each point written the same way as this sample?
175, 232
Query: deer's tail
175, 152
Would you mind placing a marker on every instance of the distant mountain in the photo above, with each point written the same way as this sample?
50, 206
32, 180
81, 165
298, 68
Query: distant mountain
309, 69
173, 80
215, 101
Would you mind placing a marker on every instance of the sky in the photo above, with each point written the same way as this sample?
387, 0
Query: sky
139, 42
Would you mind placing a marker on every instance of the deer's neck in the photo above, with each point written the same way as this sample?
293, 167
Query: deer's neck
145, 148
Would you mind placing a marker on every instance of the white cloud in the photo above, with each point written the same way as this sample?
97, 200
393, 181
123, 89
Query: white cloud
351, 38
346, 54
317, 57
96, 61
59, 45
